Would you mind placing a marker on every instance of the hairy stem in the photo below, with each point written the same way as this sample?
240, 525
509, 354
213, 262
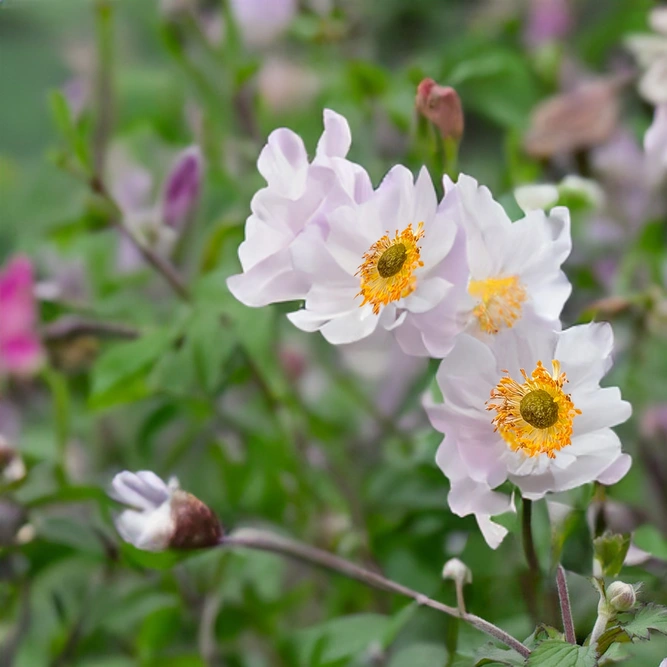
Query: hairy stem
265, 541
565, 609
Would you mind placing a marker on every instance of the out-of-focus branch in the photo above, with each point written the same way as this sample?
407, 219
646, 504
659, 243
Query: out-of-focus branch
72, 325
265, 541
565, 608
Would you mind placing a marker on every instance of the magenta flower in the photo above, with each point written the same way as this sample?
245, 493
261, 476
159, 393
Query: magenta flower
20, 347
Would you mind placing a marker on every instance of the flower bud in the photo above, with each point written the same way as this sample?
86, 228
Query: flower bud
162, 516
457, 570
442, 106
621, 596
182, 188
536, 197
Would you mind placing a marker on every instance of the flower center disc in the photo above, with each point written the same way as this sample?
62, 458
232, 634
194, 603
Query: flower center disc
539, 409
387, 270
534, 417
391, 261
499, 302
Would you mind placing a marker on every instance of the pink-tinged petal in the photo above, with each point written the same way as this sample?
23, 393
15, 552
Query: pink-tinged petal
182, 187
616, 471
492, 532
336, 138
283, 162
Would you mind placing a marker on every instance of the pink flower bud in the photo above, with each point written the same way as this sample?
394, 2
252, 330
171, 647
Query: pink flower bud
621, 596
162, 515
182, 188
20, 347
442, 106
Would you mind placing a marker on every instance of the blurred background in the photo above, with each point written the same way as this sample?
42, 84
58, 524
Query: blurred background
269, 426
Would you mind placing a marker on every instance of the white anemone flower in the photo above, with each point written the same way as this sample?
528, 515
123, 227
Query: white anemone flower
162, 515
515, 272
530, 412
296, 200
395, 261
650, 50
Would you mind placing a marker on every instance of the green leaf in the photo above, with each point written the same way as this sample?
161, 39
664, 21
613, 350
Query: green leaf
554, 653
650, 539
119, 376
610, 551
648, 617
341, 638
421, 654
614, 635
490, 654
541, 634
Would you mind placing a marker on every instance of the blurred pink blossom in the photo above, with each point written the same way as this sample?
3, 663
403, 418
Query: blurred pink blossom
182, 187
20, 347
548, 20
655, 146
262, 21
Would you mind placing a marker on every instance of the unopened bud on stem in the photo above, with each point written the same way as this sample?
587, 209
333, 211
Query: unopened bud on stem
442, 106
461, 574
621, 596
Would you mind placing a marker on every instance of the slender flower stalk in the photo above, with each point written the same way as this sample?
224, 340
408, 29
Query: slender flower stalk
565, 609
265, 541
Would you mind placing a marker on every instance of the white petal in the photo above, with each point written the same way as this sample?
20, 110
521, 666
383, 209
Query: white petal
336, 138
585, 352
600, 408
429, 293
493, 532
351, 327
616, 471
283, 162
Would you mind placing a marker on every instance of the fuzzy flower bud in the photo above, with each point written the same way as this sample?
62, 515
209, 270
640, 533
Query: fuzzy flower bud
457, 570
162, 515
442, 106
182, 187
621, 596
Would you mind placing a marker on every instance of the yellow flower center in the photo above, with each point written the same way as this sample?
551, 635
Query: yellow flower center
387, 271
534, 417
499, 302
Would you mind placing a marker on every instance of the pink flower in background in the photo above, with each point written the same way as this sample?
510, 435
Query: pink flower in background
262, 21
548, 20
20, 348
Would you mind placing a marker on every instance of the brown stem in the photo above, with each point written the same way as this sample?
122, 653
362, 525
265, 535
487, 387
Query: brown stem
565, 609
72, 325
257, 539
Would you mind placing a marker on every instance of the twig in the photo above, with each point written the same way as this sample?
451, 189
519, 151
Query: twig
565, 609
73, 325
257, 539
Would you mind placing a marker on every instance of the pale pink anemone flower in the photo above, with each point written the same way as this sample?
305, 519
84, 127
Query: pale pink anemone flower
262, 21
395, 261
20, 347
293, 208
530, 411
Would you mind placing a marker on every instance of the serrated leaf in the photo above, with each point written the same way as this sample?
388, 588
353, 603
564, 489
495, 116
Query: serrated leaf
610, 551
648, 617
614, 635
542, 633
554, 653
490, 654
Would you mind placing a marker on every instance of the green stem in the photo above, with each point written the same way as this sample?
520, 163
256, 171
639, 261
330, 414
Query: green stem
62, 416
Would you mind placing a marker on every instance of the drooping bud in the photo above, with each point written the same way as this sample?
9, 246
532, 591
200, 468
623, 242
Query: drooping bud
457, 570
621, 596
182, 188
442, 106
162, 515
